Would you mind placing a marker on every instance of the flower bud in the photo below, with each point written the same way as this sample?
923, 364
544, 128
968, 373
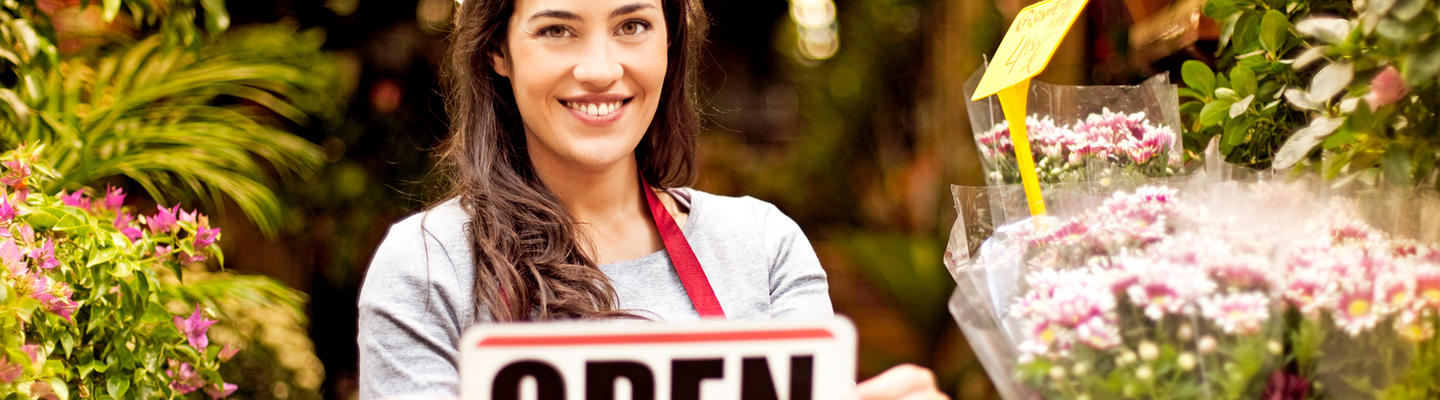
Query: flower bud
1186, 361
1057, 372
1144, 373
1207, 344
1148, 351
1275, 347
1185, 332
1080, 368
1126, 358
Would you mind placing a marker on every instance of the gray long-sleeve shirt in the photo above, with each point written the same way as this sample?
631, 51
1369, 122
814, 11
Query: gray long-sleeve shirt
418, 294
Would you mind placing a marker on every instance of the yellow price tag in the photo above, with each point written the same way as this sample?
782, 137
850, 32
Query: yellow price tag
1024, 53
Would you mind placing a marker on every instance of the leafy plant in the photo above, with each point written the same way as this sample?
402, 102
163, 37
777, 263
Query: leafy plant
177, 112
92, 302
1352, 102
1237, 105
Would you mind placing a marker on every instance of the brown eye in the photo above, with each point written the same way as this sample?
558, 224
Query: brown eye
633, 27
553, 32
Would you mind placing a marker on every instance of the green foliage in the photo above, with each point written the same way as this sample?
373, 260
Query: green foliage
1246, 112
180, 112
1362, 114
94, 304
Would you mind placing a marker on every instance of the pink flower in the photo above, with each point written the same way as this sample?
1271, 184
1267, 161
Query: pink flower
205, 237
227, 352
1161, 288
187, 258
163, 220
42, 390
114, 198
7, 211
1427, 286
9, 372
1242, 313
188, 216
122, 222
76, 199
54, 296
10, 254
194, 328
220, 391
184, 378
15, 178
45, 255
1386, 88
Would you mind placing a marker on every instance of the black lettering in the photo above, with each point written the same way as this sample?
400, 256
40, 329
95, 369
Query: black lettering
802, 377
685, 376
600, 379
756, 382
548, 383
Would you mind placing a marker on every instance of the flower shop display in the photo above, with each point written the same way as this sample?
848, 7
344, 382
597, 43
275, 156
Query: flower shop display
92, 303
1208, 289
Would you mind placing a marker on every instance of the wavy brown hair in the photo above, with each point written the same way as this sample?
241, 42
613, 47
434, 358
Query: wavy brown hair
529, 263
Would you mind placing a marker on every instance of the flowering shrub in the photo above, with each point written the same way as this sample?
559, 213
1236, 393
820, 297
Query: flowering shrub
1149, 296
91, 304
1065, 153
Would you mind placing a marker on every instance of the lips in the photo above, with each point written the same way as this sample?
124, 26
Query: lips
597, 110
594, 109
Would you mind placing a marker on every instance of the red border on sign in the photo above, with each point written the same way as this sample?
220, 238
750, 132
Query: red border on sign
651, 338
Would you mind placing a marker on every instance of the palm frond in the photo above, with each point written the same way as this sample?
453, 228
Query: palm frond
179, 122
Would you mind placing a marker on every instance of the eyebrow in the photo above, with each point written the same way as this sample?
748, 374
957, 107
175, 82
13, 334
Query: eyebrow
631, 8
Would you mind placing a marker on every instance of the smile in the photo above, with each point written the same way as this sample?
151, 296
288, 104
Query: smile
600, 109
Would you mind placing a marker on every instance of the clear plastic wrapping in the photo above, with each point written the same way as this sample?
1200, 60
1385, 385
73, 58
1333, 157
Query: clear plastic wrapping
1227, 283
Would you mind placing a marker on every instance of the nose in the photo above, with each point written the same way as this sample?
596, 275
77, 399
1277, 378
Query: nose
598, 67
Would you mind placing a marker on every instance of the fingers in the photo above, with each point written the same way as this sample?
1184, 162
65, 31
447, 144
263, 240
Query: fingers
902, 382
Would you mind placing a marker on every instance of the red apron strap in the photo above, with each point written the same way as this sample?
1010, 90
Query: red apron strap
697, 286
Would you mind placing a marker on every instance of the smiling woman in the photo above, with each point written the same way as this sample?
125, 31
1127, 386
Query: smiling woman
572, 140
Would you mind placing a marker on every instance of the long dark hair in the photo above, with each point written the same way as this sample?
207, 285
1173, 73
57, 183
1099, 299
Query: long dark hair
529, 263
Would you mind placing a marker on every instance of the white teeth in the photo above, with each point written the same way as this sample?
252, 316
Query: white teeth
595, 109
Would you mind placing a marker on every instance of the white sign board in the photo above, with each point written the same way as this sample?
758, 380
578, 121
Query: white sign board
706, 360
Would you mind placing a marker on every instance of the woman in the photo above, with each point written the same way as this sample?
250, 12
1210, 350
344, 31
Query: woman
568, 116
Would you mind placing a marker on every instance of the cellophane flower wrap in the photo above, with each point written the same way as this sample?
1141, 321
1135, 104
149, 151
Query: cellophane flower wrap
1223, 284
91, 301
1081, 134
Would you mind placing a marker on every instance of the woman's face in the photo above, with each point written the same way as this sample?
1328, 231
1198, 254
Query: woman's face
587, 76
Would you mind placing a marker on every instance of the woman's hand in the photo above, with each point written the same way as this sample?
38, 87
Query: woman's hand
902, 382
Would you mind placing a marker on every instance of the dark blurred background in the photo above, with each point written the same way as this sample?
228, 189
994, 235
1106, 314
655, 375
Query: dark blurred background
848, 114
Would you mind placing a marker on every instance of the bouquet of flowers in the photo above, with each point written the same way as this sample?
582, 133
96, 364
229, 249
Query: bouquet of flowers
1083, 134
1217, 286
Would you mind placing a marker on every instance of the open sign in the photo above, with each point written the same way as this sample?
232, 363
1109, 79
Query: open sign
711, 360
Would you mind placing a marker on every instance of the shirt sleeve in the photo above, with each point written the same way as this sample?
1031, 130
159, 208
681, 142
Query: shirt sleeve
411, 313
798, 286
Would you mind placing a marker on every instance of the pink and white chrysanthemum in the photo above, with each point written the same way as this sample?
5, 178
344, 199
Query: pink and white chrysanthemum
1243, 313
1355, 308
1162, 288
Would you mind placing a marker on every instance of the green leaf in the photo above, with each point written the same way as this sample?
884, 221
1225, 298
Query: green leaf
62, 391
1220, 9
1421, 65
42, 218
1339, 138
1243, 80
116, 385
1198, 76
1215, 112
1396, 165
112, 8
1274, 29
1236, 131
1406, 10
